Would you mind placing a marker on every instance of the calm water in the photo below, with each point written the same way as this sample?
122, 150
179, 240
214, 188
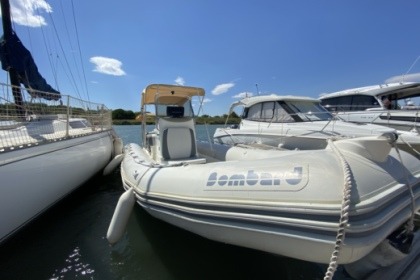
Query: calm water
69, 242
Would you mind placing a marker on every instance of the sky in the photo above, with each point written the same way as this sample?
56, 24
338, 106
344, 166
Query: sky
232, 48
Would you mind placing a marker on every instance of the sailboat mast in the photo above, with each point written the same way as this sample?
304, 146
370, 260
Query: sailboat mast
14, 77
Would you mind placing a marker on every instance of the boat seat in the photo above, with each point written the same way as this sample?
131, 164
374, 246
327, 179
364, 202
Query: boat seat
177, 139
178, 142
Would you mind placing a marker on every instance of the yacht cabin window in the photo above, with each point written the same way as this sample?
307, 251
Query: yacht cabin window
253, 113
309, 110
350, 103
267, 112
280, 115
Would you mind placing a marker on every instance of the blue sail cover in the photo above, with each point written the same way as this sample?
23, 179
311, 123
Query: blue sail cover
13, 54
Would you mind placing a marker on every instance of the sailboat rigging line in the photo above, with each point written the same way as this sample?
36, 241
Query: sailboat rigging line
63, 16
72, 79
77, 66
409, 69
80, 50
49, 54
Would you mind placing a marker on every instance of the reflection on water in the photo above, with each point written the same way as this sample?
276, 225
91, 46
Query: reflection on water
74, 267
69, 242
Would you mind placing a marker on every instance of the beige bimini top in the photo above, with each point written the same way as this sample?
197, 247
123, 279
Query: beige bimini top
169, 94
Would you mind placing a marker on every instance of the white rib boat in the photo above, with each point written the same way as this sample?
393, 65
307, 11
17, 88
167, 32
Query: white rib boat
343, 200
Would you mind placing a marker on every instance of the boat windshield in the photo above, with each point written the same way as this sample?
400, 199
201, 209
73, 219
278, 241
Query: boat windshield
270, 111
287, 111
309, 111
170, 107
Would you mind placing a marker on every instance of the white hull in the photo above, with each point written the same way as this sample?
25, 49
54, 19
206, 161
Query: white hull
50, 143
33, 179
405, 120
295, 218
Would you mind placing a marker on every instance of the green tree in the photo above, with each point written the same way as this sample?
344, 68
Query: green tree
233, 115
129, 115
120, 114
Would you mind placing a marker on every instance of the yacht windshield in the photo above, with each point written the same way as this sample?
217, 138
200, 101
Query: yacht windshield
311, 111
270, 111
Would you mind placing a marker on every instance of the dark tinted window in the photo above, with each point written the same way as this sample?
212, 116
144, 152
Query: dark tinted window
363, 102
350, 103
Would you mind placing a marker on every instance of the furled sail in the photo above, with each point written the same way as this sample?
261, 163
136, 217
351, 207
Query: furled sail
13, 54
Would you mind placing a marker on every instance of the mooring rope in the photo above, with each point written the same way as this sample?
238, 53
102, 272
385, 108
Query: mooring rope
344, 215
408, 144
410, 223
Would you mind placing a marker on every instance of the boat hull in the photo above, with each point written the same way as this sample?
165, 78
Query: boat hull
33, 179
405, 120
296, 216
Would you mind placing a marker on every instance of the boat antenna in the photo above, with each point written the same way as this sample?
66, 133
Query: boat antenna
13, 74
258, 91
409, 69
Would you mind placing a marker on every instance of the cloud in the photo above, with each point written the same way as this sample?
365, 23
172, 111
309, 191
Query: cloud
243, 95
26, 12
222, 88
180, 81
106, 65
414, 77
197, 102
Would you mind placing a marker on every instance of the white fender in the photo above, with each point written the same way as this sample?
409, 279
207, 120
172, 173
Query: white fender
113, 164
121, 215
118, 146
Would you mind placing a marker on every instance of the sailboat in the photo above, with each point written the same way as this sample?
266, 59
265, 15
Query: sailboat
50, 144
